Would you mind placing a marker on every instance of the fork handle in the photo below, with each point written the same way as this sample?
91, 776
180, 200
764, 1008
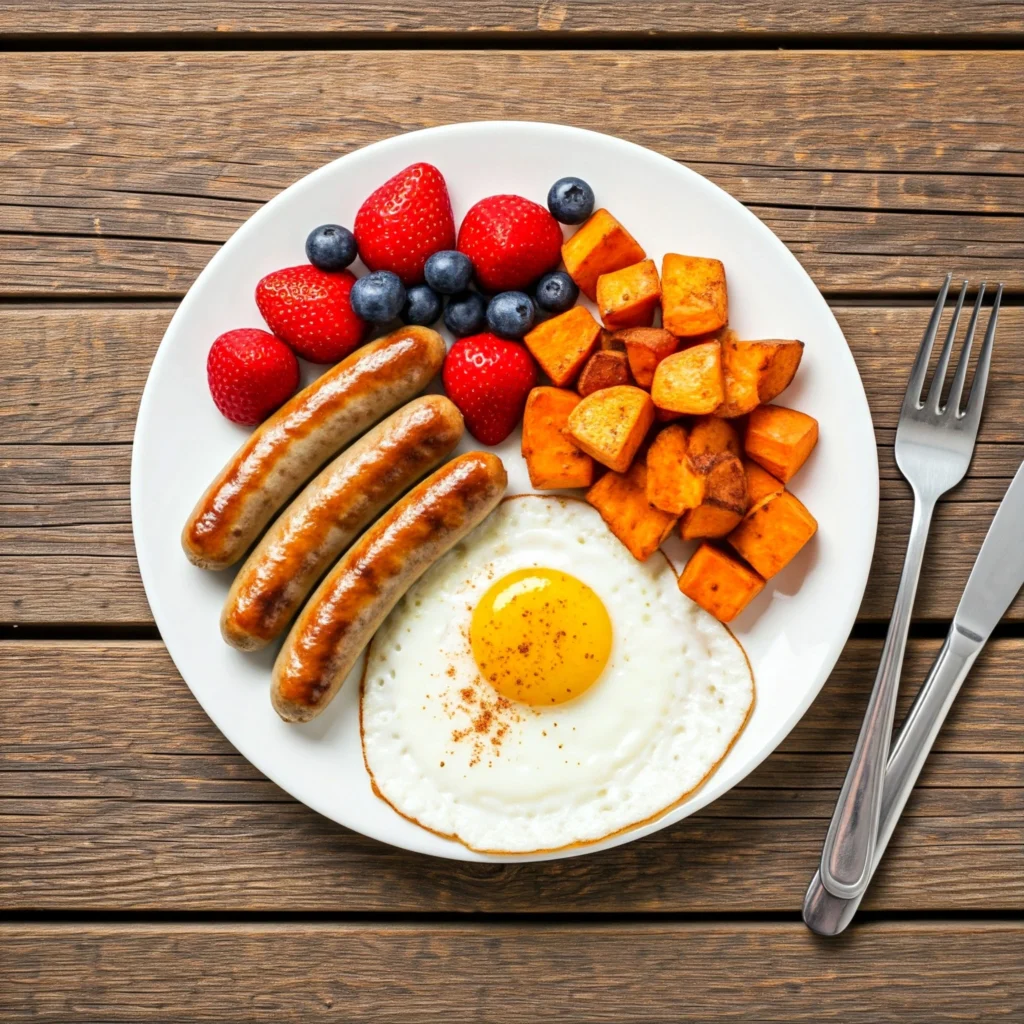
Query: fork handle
824, 913
853, 832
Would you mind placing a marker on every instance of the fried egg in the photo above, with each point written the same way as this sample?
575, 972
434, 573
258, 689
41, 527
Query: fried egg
540, 688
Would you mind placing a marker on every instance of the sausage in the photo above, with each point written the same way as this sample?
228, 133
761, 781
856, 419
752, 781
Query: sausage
287, 449
329, 514
333, 629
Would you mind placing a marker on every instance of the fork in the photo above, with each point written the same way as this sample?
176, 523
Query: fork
934, 445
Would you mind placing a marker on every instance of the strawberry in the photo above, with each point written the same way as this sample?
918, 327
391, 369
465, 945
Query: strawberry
250, 373
489, 379
309, 310
406, 220
511, 242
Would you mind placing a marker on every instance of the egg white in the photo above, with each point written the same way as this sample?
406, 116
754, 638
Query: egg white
445, 751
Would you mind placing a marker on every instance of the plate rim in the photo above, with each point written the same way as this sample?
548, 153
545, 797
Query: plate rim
854, 596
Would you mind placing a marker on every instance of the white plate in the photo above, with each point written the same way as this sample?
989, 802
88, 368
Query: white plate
793, 633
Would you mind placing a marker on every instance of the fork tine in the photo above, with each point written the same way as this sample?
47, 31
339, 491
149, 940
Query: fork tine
977, 396
920, 368
935, 391
957, 387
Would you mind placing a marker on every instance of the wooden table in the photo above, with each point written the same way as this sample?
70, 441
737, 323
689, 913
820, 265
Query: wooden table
147, 872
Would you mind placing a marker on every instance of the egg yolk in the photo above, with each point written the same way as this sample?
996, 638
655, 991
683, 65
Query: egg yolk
540, 636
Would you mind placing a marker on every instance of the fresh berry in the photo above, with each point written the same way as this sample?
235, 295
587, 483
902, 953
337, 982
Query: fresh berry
571, 200
422, 306
466, 313
556, 292
448, 272
309, 310
511, 242
511, 314
489, 379
405, 221
331, 247
379, 297
250, 373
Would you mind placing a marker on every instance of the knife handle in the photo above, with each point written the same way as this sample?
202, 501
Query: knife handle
829, 915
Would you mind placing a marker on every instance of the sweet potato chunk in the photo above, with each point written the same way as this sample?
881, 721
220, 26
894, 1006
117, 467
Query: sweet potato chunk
693, 295
622, 501
710, 436
646, 347
760, 483
772, 533
610, 425
673, 484
725, 500
601, 246
780, 439
629, 297
756, 372
564, 343
690, 381
720, 584
551, 458
606, 368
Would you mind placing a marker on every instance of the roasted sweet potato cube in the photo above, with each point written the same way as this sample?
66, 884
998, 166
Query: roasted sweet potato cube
611, 424
725, 500
720, 584
673, 484
756, 372
693, 295
564, 343
601, 245
710, 436
646, 347
780, 439
708, 521
551, 458
629, 297
760, 483
622, 501
690, 381
606, 368
772, 532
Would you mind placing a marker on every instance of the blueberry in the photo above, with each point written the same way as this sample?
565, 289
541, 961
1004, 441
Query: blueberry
448, 272
571, 200
379, 297
331, 247
556, 292
422, 306
511, 314
465, 314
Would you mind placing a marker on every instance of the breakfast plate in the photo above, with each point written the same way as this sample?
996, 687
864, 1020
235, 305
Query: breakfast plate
792, 633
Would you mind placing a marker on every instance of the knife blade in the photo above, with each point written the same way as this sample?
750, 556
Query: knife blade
997, 576
998, 571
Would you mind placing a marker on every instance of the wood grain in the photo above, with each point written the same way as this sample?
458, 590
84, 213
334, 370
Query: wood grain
517, 971
568, 18
74, 376
149, 160
151, 809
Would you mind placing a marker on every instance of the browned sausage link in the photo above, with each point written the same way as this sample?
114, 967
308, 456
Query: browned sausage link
356, 596
287, 449
330, 512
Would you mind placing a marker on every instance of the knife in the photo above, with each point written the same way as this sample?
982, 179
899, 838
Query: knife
997, 575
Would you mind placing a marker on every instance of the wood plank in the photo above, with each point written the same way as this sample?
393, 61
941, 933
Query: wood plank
161, 813
532, 971
568, 18
74, 376
149, 160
